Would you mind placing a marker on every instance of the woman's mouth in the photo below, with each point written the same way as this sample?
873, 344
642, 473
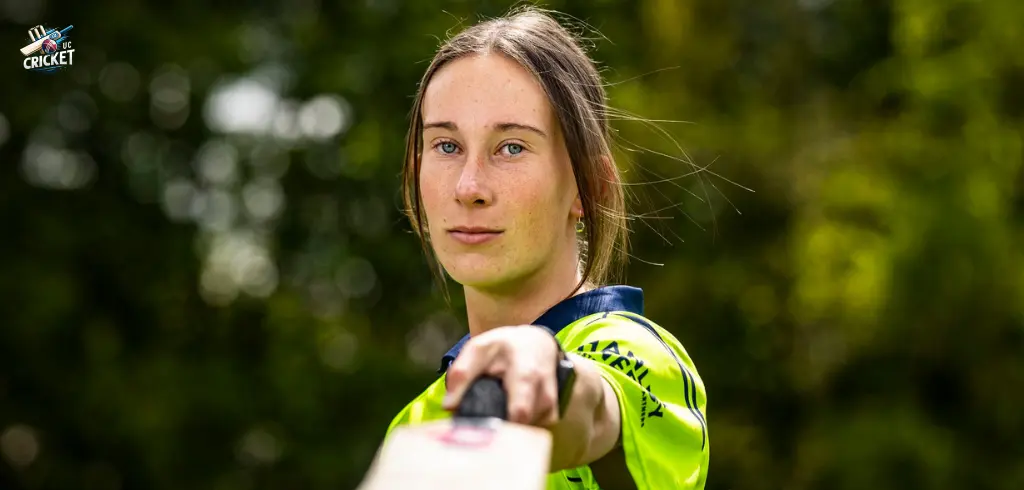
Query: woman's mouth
474, 235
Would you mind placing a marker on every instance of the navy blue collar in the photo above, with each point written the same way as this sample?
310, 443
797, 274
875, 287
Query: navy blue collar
607, 298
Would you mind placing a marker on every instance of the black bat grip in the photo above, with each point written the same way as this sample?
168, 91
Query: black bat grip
485, 397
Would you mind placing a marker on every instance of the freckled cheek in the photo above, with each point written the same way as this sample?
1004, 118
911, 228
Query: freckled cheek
432, 191
534, 209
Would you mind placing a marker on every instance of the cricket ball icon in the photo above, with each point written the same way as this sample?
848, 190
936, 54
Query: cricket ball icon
49, 46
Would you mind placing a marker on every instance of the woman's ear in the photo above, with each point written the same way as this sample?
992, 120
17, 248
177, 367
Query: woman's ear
577, 208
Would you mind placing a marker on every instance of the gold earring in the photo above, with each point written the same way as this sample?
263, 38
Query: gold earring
580, 225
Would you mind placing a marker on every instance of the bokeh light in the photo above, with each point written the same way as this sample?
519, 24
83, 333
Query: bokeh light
19, 445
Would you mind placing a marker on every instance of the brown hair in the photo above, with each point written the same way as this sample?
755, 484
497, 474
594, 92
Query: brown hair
535, 40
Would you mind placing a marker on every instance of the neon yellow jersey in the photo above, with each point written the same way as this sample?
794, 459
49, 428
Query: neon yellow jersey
661, 397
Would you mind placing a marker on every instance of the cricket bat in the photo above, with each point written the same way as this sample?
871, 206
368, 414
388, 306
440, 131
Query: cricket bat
476, 449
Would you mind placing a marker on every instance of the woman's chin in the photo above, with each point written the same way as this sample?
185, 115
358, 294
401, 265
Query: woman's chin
478, 279
481, 275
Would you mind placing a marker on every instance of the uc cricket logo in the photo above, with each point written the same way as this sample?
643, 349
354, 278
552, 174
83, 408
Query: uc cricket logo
49, 49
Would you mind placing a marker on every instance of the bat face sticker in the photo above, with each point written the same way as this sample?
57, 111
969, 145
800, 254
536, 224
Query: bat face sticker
467, 436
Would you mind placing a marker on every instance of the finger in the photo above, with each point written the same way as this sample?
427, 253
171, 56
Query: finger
533, 400
471, 363
522, 395
547, 402
545, 406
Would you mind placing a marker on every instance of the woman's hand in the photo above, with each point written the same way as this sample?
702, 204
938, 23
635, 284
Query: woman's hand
525, 358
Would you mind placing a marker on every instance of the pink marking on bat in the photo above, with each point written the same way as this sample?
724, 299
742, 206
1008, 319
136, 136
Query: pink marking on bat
466, 436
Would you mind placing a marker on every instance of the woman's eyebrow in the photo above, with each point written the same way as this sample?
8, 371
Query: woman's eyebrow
509, 126
450, 126
504, 126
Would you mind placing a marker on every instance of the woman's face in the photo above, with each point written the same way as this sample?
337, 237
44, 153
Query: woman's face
496, 180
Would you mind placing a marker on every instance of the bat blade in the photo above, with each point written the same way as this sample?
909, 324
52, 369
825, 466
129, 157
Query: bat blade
32, 48
455, 455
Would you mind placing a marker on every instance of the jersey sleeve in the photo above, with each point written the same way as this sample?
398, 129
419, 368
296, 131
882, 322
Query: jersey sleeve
661, 398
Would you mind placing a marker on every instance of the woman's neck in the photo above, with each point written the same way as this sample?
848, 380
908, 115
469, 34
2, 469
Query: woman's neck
488, 308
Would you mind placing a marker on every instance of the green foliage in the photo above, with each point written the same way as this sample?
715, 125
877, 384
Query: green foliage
189, 307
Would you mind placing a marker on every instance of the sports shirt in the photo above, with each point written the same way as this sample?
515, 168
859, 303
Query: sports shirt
661, 397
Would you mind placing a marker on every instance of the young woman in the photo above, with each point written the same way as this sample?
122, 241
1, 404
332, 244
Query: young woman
510, 183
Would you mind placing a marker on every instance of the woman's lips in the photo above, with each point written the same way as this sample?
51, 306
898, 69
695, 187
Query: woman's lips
474, 237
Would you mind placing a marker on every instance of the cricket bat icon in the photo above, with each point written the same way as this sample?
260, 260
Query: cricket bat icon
477, 449
38, 35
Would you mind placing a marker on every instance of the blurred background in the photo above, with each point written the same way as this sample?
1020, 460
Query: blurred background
206, 281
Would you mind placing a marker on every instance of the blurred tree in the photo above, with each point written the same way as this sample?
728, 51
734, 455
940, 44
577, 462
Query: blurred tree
208, 283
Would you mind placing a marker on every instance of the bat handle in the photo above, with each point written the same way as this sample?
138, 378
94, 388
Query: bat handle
486, 397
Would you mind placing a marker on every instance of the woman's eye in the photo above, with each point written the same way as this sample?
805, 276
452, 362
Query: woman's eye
447, 147
514, 148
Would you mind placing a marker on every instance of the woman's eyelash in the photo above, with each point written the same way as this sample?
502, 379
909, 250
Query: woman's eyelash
439, 146
521, 147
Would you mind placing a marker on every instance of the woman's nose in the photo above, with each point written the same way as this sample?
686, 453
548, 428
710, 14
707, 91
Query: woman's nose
473, 188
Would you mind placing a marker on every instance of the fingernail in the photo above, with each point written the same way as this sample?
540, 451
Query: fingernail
446, 402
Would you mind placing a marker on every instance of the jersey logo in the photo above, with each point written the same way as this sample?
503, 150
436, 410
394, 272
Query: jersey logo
689, 384
629, 364
609, 353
